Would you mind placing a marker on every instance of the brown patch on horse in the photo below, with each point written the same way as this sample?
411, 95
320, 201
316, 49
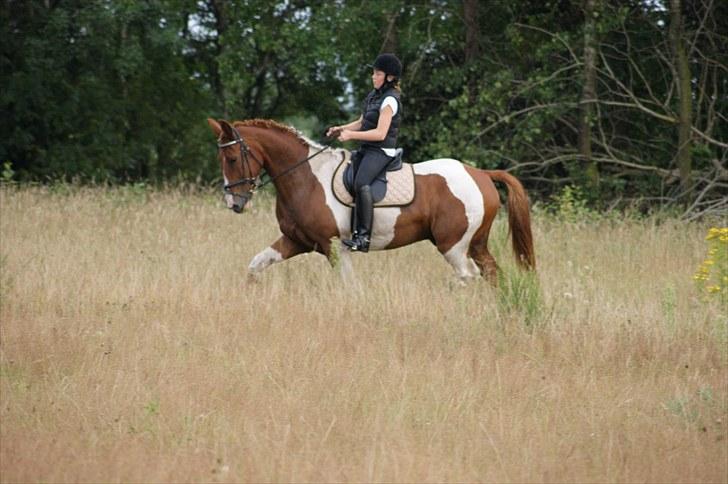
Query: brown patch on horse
301, 209
478, 249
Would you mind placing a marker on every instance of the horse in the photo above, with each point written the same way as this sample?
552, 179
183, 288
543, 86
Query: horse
454, 206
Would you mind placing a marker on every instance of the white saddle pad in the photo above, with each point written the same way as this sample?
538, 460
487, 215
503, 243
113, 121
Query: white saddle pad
400, 186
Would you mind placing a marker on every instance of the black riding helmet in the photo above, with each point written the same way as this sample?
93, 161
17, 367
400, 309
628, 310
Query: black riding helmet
389, 64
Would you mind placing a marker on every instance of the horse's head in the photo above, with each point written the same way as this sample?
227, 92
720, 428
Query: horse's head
241, 165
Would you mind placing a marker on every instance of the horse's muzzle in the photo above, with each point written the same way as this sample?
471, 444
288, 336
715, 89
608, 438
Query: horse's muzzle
236, 202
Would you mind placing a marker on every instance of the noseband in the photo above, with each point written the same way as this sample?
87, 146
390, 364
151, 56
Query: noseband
254, 182
244, 151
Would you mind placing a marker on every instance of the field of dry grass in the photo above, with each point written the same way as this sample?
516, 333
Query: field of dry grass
132, 349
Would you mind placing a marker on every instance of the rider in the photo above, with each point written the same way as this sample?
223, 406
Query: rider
377, 129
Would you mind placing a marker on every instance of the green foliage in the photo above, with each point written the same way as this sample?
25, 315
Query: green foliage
151, 409
682, 407
519, 293
8, 173
695, 409
111, 90
335, 255
97, 91
570, 205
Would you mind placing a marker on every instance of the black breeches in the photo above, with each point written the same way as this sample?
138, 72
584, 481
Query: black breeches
370, 164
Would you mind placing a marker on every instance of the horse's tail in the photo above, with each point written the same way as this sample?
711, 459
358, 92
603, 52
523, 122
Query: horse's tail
519, 219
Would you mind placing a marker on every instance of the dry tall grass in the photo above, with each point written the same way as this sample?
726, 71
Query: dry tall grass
131, 349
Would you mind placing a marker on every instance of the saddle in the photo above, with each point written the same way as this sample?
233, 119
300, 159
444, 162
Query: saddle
393, 187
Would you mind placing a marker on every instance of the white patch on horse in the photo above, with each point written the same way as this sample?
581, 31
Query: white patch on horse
263, 259
465, 267
464, 188
385, 218
323, 166
228, 197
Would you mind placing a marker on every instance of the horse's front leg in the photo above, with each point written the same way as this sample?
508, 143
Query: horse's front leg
280, 250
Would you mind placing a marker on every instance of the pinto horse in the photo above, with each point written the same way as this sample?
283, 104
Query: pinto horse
454, 206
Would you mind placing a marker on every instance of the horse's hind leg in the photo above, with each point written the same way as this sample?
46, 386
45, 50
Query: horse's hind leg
452, 237
474, 262
464, 266
479, 250
484, 260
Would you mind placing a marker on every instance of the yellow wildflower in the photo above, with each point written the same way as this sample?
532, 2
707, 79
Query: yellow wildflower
716, 232
711, 277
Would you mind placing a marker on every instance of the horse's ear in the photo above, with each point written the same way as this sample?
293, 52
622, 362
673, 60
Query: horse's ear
215, 126
227, 129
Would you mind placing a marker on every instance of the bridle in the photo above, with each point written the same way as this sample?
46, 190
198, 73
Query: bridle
254, 182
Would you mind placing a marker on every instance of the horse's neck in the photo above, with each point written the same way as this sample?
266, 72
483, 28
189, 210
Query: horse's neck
286, 162
285, 154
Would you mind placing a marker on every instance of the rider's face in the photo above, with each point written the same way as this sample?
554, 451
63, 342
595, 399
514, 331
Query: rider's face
377, 78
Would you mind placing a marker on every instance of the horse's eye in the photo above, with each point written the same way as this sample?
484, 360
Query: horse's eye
231, 160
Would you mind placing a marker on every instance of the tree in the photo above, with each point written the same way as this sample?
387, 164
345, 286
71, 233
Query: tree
205, 24
588, 93
628, 97
97, 90
684, 92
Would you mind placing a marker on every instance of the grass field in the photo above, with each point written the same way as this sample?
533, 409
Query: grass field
132, 349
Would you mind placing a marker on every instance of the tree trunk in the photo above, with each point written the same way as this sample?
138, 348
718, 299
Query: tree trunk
472, 30
221, 23
472, 45
390, 42
588, 96
680, 59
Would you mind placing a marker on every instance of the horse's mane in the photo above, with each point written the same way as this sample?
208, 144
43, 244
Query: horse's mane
270, 124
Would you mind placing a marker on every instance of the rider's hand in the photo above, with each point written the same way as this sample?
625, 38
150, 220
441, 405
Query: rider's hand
345, 135
333, 131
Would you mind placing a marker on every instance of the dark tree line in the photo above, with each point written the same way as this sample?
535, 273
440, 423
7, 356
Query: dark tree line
625, 99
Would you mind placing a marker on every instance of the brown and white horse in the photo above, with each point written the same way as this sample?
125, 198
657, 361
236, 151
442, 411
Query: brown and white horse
454, 207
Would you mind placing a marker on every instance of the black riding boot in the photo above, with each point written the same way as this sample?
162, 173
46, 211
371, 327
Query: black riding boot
364, 217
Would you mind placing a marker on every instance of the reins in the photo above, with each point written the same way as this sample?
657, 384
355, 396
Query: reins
289, 169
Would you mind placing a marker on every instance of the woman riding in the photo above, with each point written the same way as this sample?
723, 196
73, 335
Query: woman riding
377, 129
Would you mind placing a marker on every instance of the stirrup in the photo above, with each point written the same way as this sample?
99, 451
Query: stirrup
357, 243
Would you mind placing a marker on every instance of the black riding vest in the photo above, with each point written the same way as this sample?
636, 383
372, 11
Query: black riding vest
370, 117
